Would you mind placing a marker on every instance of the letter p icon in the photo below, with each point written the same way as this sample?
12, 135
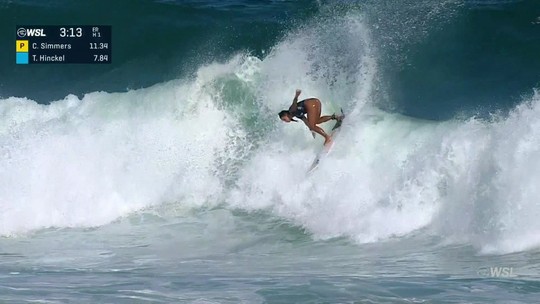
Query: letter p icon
22, 46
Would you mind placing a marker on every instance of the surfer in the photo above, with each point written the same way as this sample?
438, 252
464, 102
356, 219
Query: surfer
309, 111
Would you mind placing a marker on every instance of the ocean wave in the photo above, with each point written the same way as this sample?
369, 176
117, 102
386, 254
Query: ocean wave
214, 139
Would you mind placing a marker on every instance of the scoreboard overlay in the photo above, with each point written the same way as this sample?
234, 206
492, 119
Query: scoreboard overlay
56, 44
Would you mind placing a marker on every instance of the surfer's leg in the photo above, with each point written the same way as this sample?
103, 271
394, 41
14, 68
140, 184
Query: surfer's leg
321, 132
313, 111
313, 108
324, 119
312, 124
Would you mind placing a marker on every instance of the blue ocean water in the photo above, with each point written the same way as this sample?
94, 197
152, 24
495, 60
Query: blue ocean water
166, 177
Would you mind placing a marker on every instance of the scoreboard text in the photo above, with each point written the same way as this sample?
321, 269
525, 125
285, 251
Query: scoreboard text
63, 44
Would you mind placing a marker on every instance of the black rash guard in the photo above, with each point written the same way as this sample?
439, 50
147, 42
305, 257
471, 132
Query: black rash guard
300, 110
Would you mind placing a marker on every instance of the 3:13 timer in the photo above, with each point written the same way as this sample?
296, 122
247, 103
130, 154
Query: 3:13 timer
71, 32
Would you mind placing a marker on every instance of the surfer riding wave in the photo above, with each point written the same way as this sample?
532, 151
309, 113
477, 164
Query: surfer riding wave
309, 111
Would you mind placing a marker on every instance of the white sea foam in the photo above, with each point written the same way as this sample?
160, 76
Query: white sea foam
87, 162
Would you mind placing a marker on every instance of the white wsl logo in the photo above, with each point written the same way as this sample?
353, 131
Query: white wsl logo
22, 32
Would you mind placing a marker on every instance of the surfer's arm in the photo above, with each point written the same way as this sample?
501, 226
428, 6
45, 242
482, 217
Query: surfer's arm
294, 105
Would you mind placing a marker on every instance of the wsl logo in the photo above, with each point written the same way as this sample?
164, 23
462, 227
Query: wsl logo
23, 32
497, 272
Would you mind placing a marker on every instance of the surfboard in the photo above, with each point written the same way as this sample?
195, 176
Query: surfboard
327, 148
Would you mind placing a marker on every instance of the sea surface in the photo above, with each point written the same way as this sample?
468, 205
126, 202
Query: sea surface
167, 177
